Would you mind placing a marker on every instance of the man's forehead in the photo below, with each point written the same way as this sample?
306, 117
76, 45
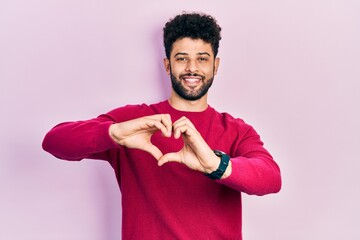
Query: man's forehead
191, 46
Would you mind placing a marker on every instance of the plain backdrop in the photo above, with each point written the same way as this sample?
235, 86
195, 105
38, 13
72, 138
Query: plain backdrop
289, 68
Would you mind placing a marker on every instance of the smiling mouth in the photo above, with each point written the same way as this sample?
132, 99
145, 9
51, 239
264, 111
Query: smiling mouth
191, 80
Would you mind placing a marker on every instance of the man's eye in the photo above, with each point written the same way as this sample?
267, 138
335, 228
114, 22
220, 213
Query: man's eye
181, 59
203, 59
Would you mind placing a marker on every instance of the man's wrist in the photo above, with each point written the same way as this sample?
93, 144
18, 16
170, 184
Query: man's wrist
223, 163
228, 171
114, 133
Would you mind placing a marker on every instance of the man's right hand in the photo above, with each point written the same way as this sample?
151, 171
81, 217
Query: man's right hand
137, 133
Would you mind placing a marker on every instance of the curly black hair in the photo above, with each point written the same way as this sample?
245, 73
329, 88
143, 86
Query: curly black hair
192, 25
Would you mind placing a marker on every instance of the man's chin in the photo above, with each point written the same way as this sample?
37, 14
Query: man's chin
191, 96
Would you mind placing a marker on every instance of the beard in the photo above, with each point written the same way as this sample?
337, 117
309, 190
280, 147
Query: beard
192, 94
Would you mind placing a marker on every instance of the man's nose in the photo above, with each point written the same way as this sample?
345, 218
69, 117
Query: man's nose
192, 66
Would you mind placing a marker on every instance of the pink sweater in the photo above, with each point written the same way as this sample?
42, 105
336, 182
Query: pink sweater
172, 201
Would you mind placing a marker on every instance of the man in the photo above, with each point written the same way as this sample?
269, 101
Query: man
207, 158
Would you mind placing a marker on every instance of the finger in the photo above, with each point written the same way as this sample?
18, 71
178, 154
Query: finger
180, 121
184, 120
166, 120
183, 125
169, 157
179, 130
160, 126
184, 129
163, 123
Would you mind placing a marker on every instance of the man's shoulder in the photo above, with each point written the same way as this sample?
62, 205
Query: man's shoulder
230, 121
228, 117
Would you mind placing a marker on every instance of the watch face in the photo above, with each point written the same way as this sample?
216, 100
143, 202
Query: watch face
219, 153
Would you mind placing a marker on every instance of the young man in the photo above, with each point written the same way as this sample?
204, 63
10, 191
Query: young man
181, 165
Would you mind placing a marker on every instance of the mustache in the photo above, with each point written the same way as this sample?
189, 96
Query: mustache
192, 75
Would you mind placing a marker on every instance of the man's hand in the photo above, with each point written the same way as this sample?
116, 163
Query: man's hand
196, 153
137, 133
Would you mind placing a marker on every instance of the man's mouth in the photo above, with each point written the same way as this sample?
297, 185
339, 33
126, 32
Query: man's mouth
191, 80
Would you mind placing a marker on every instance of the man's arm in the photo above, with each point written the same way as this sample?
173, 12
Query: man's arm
92, 138
80, 139
252, 170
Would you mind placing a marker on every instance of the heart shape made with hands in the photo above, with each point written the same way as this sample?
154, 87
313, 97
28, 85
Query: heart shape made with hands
137, 133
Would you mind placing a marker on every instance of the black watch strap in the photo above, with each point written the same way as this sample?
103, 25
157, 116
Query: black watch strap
224, 162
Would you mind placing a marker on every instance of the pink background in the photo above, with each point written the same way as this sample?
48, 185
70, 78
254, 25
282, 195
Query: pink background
289, 68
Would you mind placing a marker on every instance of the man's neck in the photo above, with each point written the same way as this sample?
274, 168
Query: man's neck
186, 105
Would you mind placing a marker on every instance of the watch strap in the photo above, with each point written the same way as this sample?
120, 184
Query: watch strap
224, 162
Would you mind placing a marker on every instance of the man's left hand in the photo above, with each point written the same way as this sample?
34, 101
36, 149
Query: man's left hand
196, 153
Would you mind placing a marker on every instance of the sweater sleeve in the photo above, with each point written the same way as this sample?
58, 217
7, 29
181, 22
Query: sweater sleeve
253, 169
80, 139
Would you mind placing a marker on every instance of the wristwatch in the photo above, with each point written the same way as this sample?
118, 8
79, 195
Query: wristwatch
224, 162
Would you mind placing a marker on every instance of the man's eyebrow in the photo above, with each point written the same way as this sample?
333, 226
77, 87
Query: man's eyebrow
180, 53
200, 53
204, 53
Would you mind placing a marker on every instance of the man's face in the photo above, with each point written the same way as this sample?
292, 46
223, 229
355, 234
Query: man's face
191, 67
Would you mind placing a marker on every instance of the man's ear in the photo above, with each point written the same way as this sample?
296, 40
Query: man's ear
167, 65
216, 65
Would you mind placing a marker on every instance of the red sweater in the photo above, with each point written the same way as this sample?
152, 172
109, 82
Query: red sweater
173, 201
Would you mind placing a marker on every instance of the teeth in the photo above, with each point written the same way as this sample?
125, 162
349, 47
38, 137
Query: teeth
192, 80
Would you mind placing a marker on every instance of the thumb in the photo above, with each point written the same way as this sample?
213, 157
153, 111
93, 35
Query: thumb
154, 151
169, 157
